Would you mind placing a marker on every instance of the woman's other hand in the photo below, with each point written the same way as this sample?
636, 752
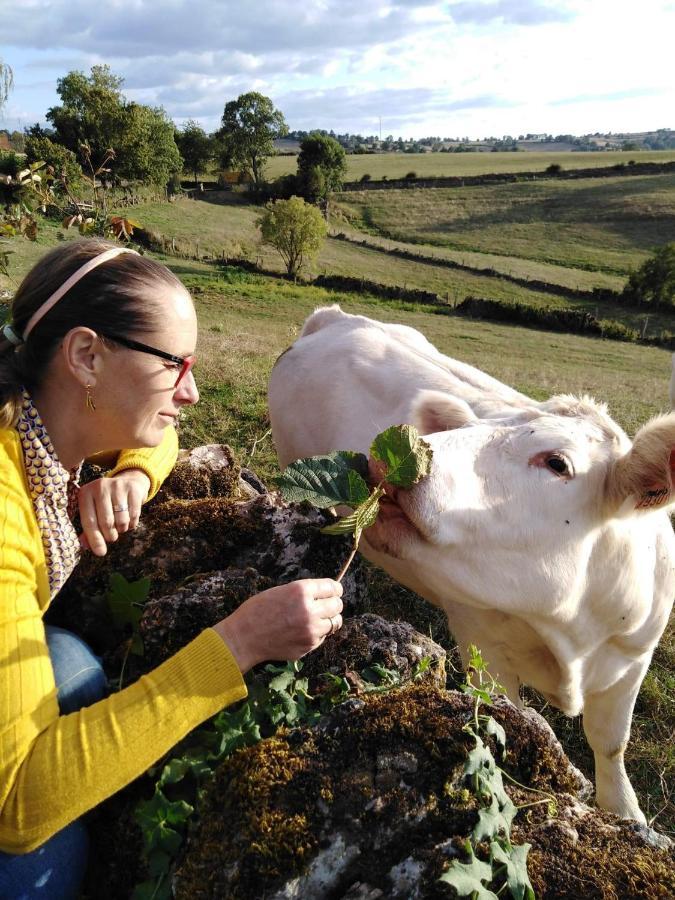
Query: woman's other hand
284, 622
111, 506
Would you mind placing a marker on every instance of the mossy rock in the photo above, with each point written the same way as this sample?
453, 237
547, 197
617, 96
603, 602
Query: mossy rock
370, 803
173, 620
368, 640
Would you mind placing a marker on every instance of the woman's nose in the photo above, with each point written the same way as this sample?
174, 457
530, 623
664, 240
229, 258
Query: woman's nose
187, 392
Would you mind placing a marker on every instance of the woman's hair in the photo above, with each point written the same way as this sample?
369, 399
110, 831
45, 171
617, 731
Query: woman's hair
115, 297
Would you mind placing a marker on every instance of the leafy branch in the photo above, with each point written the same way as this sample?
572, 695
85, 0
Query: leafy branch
401, 457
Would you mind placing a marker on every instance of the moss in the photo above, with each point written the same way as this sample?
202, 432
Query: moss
385, 775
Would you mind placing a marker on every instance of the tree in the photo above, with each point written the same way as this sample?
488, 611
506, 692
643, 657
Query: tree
146, 149
322, 165
295, 228
92, 111
195, 146
6, 82
654, 281
95, 117
250, 125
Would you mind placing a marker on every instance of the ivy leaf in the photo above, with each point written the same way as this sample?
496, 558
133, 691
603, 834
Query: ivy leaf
515, 860
152, 890
237, 729
324, 480
159, 819
125, 601
405, 455
496, 730
468, 878
493, 819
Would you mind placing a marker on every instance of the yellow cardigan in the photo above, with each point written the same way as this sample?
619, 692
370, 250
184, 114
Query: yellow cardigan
54, 768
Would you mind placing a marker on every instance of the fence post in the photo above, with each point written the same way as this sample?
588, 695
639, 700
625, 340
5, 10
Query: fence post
644, 328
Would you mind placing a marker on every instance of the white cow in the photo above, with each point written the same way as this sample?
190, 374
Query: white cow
541, 530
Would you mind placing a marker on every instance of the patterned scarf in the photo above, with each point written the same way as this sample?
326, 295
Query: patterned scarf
54, 493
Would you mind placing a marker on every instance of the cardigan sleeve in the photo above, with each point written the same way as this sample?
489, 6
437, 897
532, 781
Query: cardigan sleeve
156, 462
54, 768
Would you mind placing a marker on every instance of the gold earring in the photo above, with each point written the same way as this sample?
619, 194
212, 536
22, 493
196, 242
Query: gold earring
89, 399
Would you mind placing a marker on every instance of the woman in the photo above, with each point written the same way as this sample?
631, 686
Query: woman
99, 356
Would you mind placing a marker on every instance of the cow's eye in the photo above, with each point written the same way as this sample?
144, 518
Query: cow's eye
558, 464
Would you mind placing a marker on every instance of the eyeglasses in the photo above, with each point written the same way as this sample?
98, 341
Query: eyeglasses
185, 362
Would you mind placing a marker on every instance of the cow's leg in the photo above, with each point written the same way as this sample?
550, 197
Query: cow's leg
607, 718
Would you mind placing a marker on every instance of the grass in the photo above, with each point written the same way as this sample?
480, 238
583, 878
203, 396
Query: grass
247, 321
397, 165
608, 226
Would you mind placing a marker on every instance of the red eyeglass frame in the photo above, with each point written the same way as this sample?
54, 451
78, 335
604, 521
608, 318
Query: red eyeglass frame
185, 362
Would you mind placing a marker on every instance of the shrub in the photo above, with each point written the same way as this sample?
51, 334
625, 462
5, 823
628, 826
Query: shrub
62, 161
554, 169
411, 176
365, 177
654, 281
295, 228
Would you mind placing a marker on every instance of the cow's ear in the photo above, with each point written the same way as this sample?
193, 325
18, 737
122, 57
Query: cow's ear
435, 411
644, 478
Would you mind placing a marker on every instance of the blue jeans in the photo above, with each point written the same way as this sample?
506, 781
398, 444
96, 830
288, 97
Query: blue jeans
55, 870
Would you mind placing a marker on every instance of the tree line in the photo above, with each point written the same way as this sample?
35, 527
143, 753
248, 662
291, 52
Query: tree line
94, 117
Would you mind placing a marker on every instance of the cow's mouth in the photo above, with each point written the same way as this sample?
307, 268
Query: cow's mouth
394, 527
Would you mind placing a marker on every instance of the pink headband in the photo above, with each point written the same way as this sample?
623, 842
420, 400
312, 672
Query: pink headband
66, 286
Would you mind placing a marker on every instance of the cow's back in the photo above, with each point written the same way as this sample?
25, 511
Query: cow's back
347, 378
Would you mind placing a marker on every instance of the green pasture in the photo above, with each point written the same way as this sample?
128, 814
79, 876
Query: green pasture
397, 165
574, 279
607, 225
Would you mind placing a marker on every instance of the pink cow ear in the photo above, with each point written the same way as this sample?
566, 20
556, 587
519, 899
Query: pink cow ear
644, 478
434, 411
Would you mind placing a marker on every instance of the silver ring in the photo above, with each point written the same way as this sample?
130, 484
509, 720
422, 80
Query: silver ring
333, 624
120, 508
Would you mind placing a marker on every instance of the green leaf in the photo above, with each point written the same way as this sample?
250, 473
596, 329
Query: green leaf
159, 818
515, 860
125, 601
469, 879
496, 730
362, 518
494, 819
405, 455
323, 480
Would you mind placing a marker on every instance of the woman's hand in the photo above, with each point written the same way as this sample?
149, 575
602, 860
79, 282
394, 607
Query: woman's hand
111, 506
285, 622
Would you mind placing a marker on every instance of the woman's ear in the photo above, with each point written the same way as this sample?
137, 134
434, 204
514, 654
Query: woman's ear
82, 354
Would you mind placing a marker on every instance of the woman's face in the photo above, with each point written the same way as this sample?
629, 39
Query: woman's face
136, 397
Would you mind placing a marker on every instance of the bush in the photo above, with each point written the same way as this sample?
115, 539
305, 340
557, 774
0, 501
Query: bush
554, 169
62, 161
411, 176
295, 228
365, 177
654, 281
11, 163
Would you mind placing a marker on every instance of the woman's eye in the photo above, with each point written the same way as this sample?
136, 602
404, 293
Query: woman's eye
558, 464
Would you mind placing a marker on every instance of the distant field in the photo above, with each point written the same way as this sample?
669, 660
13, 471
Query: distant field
397, 165
609, 225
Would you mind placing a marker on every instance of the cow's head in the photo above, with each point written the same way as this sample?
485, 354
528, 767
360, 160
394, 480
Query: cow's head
515, 503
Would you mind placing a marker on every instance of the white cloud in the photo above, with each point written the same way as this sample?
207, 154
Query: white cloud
425, 66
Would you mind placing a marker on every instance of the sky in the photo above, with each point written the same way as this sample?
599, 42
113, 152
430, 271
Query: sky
409, 68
